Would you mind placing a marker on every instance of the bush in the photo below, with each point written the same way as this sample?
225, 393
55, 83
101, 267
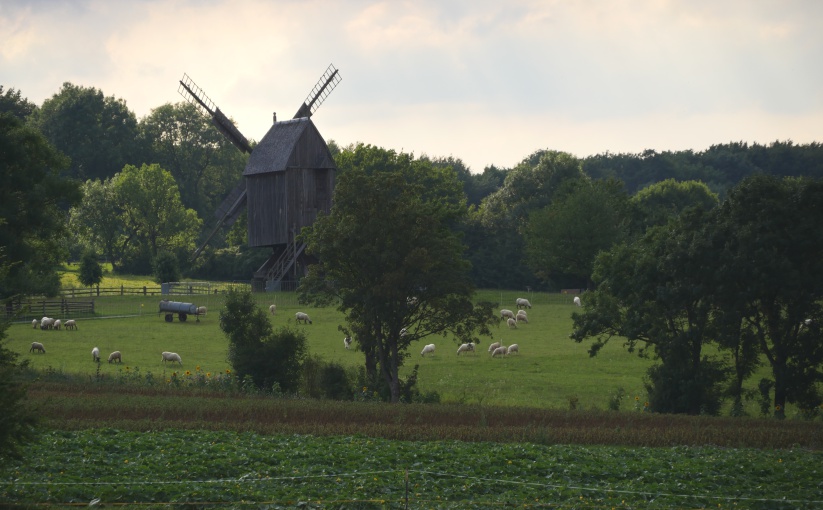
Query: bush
165, 268
91, 272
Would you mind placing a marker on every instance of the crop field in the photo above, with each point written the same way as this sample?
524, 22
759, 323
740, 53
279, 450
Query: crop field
551, 371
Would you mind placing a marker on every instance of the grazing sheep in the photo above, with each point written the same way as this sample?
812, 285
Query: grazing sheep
70, 324
302, 317
494, 346
57, 324
46, 323
429, 349
521, 316
506, 314
34, 323
403, 332
512, 323
501, 351
116, 356
171, 356
513, 348
469, 347
95, 354
347, 342
577, 301
272, 309
37, 346
201, 310
523, 302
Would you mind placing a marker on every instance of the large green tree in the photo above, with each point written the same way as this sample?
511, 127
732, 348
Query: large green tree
391, 258
770, 280
33, 198
204, 163
98, 223
658, 202
565, 237
98, 133
12, 101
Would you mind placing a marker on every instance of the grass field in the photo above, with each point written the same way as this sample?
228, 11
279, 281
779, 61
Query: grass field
551, 371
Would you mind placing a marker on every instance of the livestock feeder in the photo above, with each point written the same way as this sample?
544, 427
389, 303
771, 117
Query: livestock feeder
183, 310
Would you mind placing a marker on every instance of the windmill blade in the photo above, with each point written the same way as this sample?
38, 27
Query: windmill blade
227, 213
319, 93
197, 96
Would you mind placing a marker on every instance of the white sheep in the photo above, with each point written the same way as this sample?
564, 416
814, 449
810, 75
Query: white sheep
272, 309
501, 351
347, 342
469, 347
512, 323
428, 349
494, 346
201, 310
403, 332
504, 314
70, 324
95, 354
171, 356
37, 346
34, 323
523, 302
513, 348
577, 301
46, 323
115, 356
302, 317
57, 324
521, 316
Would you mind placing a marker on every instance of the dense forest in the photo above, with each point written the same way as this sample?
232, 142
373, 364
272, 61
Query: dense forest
129, 212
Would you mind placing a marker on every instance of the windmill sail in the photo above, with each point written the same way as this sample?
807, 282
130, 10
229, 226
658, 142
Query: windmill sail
319, 93
196, 96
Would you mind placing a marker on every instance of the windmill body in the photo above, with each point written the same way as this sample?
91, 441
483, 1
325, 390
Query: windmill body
288, 180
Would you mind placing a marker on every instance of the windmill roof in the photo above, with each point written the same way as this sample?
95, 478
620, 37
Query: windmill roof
276, 151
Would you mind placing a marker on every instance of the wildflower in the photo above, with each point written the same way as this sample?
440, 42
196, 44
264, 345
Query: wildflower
365, 389
646, 404
208, 374
776, 408
127, 368
197, 368
126, 461
188, 373
228, 371
637, 399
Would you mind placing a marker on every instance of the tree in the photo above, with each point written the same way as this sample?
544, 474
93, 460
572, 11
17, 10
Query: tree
771, 280
165, 268
256, 350
656, 291
98, 133
658, 202
98, 221
566, 236
390, 257
91, 272
32, 200
204, 163
12, 102
153, 212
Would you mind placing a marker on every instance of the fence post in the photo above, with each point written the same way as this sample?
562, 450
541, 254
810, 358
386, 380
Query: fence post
144, 290
98, 290
121, 289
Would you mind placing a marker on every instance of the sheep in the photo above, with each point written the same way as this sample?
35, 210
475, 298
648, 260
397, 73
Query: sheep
171, 356
494, 346
506, 314
95, 355
347, 342
403, 332
46, 323
499, 351
37, 346
577, 301
428, 349
513, 348
70, 324
116, 356
512, 323
523, 302
272, 309
469, 347
56, 325
521, 316
34, 323
201, 310
302, 317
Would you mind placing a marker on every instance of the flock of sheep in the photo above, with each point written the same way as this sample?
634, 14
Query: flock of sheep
48, 323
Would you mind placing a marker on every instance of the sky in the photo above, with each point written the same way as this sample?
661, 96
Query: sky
488, 82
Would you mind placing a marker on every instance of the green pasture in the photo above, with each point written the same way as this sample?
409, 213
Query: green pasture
551, 371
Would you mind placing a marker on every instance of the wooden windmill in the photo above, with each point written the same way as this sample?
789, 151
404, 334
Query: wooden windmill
288, 179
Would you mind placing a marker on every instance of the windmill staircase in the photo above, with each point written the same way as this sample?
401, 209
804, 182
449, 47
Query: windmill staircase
277, 267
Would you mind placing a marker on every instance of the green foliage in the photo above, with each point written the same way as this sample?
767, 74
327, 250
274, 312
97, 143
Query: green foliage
91, 272
658, 202
256, 351
166, 268
32, 200
98, 133
14, 103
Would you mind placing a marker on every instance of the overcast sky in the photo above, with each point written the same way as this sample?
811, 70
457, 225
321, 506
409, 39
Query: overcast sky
485, 81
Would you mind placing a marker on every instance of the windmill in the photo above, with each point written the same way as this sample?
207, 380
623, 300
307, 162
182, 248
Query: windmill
288, 179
